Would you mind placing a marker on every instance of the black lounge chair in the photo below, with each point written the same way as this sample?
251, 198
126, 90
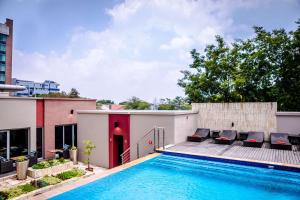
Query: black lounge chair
200, 135
254, 139
226, 137
6, 165
32, 157
280, 141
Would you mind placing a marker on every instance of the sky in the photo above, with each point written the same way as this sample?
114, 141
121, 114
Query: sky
116, 49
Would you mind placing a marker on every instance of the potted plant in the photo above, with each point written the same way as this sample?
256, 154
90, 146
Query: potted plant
22, 166
88, 148
73, 154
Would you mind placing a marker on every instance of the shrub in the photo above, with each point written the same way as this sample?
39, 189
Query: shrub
49, 163
70, 174
16, 191
48, 180
21, 159
41, 165
54, 162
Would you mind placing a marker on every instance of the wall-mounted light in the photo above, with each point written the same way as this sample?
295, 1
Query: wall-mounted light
72, 112
232, 124
116, 124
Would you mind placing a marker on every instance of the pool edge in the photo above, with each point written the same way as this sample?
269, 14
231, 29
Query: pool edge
245, 162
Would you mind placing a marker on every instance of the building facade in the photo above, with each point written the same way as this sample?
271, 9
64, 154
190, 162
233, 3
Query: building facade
6, 43
35, 88
39, 124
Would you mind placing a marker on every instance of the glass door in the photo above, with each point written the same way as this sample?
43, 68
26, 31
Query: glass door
3, 144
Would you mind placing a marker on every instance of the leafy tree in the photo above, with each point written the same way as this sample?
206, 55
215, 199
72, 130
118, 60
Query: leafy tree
105, 102
74, 93
54, 95
135, 103
178, 103
262, 68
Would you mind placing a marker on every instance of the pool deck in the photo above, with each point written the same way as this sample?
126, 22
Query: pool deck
237, 151
83, 181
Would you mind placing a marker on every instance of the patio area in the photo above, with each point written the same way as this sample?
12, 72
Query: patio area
238, 151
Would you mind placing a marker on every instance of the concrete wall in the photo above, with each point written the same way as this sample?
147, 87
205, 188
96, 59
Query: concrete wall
17, 113
141, 124
288, 122
184, 125
57, 112
94, 127
245, 116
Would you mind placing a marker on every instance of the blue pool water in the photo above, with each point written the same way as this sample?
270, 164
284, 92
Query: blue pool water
172, 177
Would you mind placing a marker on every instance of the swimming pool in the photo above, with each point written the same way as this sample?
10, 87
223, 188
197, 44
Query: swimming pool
173, 177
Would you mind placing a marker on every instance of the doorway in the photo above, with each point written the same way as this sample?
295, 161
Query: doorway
119, 137
119, 149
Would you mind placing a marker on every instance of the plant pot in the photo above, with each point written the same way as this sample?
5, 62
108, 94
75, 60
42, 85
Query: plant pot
22, 169
89, 169
73, 156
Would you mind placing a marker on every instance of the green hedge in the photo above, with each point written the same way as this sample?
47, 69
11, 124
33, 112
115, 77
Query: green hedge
70, 174
49, 163
43, 182
17, 191
48, 180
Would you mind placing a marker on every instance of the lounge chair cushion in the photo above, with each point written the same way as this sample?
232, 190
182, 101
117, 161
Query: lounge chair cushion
280, 141
252, 140
223, 138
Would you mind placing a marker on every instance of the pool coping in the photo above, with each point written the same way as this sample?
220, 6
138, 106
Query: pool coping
54, 191
240, 161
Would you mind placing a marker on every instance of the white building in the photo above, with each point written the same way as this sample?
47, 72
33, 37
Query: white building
34, 88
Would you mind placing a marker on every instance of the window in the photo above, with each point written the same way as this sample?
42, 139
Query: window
66, 134
2, 77
18, 142
3, 38
2, 57
2, 47
2, 67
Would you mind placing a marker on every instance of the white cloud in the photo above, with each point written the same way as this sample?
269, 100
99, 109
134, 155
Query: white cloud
140, 53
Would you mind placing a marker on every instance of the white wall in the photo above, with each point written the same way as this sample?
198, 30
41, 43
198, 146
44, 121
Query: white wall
184, 125
17, 113
245, 116
141, 124
94, 127
288, 122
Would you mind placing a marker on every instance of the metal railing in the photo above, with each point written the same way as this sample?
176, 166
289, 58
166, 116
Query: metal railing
147, 144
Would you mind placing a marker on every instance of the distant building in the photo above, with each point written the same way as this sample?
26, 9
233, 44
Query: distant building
6, 35
111, 107
34, 88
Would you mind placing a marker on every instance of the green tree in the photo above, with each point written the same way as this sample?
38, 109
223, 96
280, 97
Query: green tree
88, 149
262, 68
105, 101
135, 103
74, 93
178, 103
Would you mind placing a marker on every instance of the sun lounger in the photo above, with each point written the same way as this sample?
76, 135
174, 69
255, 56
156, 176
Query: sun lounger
254, 139
200, 135
226, 137
280, 141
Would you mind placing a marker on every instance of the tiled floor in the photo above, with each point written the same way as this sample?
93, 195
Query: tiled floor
236, 150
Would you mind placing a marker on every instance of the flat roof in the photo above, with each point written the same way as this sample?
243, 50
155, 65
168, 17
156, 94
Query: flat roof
47, 98
139, 112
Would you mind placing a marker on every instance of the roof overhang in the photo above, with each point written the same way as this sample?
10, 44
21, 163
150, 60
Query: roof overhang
11, 88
